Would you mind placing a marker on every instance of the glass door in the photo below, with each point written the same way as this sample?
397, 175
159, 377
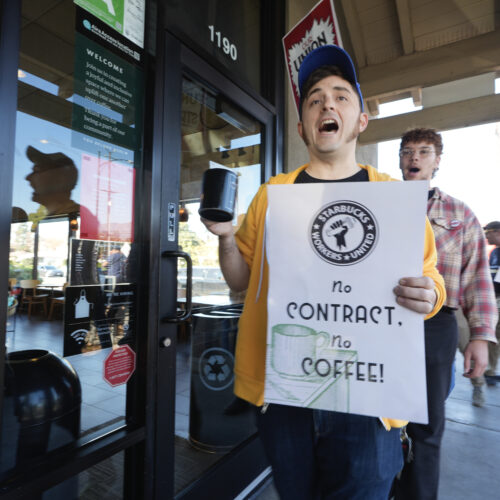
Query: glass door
210, 421
212, 432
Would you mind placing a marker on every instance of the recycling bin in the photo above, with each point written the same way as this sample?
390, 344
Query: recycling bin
218, 420
41, 412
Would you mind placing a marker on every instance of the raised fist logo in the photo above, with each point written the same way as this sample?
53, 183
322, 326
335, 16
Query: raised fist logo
338, 229
343, 233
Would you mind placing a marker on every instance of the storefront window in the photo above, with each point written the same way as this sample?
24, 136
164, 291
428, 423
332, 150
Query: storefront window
73, 243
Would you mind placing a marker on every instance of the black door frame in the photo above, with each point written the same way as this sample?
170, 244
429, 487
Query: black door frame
10, 20
247, 461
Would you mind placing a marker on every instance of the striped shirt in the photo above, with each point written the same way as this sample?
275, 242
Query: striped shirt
463, 263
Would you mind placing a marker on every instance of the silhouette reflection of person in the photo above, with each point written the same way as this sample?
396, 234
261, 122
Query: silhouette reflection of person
19, 215
53, 177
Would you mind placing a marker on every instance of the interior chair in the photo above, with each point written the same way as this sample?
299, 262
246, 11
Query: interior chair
57, 301
31, 298
11, 313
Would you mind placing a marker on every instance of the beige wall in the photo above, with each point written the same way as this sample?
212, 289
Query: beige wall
295, 152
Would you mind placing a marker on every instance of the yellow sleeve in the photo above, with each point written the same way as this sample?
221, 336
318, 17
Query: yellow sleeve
247, 234
430, 269
392, 423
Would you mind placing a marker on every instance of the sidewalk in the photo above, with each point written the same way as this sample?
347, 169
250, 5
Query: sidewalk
471, 445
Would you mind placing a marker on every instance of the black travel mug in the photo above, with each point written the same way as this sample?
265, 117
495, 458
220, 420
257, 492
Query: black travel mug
218, 194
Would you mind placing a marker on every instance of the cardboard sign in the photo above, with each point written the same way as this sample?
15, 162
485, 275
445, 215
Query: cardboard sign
319, 27
337, 339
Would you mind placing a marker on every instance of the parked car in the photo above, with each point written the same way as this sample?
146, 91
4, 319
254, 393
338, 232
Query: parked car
206, 280
47, 270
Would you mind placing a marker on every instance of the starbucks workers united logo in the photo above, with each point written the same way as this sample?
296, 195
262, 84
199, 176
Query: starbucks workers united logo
344, 233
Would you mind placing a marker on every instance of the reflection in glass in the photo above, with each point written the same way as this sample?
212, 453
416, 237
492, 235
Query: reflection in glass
52, 179
73, 241
210, 420
103, 481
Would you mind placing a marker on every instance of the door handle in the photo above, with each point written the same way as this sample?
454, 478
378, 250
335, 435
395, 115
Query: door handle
189, 287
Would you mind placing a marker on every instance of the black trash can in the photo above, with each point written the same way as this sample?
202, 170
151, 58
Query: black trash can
41, 412
218, 420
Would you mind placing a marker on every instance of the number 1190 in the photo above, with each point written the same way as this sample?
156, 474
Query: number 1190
223, 43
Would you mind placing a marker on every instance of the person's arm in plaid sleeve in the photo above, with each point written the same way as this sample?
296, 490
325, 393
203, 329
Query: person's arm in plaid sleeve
477, 297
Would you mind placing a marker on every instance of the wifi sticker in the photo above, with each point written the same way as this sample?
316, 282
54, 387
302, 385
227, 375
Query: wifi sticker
79, 336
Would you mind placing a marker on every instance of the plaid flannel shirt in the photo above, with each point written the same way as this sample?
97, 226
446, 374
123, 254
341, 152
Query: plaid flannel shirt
463, 263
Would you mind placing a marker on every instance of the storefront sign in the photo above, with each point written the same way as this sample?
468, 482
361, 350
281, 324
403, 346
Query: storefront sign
119, 366
108, 92
337, 339
100, 262
92, 27
97, 317
99, 148
319, 27
124, 16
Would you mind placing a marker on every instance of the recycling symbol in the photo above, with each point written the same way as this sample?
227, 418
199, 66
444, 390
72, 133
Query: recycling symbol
216, 368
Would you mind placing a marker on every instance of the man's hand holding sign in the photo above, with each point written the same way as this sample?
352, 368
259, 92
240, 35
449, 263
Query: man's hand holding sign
417, 294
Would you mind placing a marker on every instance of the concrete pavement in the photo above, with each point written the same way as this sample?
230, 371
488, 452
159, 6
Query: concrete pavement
471, 446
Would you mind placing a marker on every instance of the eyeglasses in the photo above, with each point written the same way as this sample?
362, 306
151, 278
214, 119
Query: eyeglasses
422, 152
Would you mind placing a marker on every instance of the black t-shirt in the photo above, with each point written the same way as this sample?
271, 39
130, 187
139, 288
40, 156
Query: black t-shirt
304, 178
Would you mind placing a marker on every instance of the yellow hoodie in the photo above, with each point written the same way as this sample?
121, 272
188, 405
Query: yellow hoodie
252, 328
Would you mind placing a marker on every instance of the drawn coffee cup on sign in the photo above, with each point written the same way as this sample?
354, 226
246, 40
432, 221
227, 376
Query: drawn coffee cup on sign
291, 344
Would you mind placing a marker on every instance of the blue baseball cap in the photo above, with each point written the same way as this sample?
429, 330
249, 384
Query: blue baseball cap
329, 55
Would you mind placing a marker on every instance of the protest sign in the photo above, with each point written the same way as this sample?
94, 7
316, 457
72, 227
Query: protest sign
319, 27
337, 339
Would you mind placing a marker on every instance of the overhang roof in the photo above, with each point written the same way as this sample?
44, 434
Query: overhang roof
403, 48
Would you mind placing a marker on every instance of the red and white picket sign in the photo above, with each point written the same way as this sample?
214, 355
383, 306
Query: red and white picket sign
319, 27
